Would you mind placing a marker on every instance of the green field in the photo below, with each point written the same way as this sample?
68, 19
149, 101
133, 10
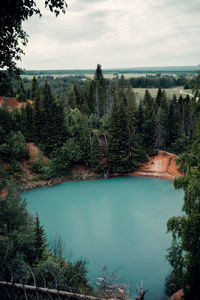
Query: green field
139, 92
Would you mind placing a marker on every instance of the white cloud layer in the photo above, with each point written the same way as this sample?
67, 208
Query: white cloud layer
115, 33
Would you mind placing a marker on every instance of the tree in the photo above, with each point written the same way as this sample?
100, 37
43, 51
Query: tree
38, 116
160, 135
173, 127
14, 147
149, 123
185, 229
6, 88
53, 131
39, 240
118, 139
30, 125
21, 95
100, 91
95, 154
12, 14
34, 88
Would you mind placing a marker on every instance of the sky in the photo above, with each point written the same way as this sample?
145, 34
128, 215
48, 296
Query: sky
116, 34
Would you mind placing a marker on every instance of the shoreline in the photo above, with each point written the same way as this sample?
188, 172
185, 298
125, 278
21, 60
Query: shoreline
56, 181
163, 166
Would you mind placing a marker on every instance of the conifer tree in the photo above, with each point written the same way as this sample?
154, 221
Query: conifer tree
34, 88
53, 131
72, 99
100, 91
24, 128
38, 116
149, 124
160, 130
118, 148
39, 240
21, 95
30, 124
173, 128
91, 97
95, 154
158, 97
135, 149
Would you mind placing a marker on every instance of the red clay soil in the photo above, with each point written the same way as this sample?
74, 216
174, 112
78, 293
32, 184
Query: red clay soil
3, 194
163, 165
177, 296
10, 103
34, 152
83, 172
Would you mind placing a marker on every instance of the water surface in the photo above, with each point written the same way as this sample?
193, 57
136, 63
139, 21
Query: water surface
117, 222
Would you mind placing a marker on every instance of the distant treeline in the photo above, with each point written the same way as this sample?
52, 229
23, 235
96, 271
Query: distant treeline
163, 82
150, 70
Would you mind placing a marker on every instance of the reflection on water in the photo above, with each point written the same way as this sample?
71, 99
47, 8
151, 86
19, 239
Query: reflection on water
114, 222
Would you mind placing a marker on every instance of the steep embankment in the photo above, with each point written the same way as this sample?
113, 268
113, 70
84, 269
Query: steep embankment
163, 165
29, 180
10, 103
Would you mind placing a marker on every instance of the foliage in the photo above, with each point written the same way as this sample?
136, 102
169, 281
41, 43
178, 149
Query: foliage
24, 252
12, 14
186, 228
44, 169
14, 147
95, 154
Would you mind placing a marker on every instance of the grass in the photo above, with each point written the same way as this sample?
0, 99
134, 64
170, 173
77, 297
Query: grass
139, 92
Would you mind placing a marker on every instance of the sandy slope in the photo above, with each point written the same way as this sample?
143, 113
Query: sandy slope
162, 165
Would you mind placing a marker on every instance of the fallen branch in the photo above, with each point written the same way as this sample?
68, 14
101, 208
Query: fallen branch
50, 291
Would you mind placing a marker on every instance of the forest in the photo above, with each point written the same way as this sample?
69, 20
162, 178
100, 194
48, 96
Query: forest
97, 123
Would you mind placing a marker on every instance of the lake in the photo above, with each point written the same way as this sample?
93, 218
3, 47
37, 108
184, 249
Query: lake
119, 222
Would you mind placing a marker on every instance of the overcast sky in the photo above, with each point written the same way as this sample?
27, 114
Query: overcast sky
115, 33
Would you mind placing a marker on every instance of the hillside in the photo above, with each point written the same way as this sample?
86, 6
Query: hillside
162, 165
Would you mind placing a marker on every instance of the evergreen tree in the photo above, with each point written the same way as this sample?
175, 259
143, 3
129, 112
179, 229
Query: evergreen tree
16, 119
21, 95
173, 128
6, 86
53, 131
38, 116
39, 241
149, 124
91, 97
30, 124
34, 88
100, 91
160, 130
158, 97
118, 150
95, 155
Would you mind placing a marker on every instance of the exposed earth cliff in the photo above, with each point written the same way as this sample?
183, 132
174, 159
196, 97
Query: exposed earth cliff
162, 165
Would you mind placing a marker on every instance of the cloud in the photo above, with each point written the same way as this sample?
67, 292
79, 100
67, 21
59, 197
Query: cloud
115, 33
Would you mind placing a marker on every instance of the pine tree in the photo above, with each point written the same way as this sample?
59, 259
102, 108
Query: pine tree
149, 124
21, 95
30, 125
53, 131
38, 117
100, 92
173, 129
72, 99
160, 130
34, 88
39, 241
118, 148
95, 154
158, 97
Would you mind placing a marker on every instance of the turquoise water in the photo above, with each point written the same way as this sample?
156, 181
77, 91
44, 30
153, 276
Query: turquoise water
117, 222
